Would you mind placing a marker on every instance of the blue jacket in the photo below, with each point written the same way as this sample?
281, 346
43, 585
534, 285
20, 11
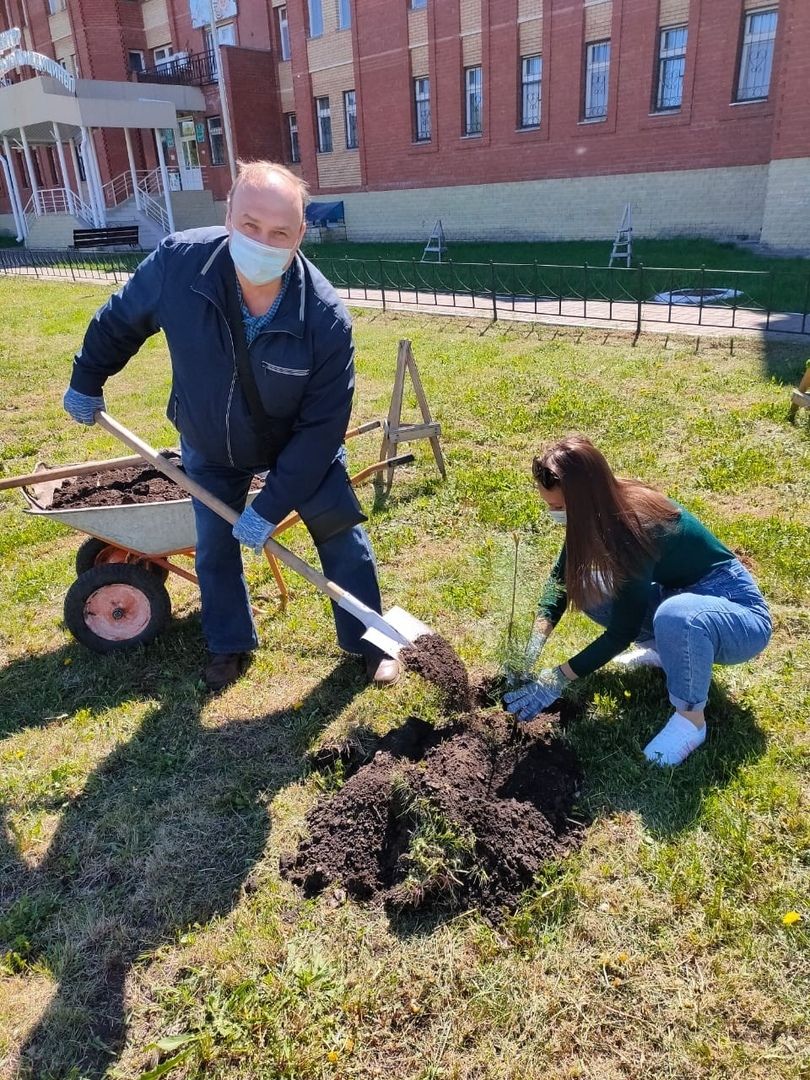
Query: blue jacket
303, 364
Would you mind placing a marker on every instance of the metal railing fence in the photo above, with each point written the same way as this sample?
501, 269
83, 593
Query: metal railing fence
698, 296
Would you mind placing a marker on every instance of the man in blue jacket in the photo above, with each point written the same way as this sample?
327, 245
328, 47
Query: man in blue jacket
262, 380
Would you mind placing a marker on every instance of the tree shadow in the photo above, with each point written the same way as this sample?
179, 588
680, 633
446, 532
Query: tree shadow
164, 834
631, 707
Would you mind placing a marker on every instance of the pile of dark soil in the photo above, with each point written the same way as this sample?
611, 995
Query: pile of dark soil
435, 659
444, 818
120, 487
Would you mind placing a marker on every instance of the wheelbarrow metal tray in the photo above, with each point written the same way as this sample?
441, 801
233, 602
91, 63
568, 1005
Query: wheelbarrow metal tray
154, 528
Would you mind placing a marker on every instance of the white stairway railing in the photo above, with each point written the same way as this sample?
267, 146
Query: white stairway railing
58, 201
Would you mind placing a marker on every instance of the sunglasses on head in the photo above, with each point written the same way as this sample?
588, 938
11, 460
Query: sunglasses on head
544, 476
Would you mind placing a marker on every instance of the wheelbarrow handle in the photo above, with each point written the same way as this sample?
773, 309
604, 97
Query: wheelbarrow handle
343, 599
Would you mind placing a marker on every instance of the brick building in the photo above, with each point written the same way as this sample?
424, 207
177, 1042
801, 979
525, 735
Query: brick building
506, 118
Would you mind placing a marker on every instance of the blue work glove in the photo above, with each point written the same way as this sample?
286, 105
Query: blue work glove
252, 530
81, 407
528, 701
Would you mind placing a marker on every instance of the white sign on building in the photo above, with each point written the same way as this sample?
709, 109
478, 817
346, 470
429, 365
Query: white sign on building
11, 57
201, 11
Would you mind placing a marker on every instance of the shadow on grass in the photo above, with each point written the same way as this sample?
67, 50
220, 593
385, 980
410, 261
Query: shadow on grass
784, 361
628, 709
164, 834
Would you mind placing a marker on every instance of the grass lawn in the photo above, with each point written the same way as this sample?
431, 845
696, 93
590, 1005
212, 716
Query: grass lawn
144, 928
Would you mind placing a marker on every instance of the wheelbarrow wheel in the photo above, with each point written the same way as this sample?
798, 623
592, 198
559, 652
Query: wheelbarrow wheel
113, 607
95, 552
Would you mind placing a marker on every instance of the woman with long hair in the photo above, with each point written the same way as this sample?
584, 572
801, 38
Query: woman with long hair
650, 573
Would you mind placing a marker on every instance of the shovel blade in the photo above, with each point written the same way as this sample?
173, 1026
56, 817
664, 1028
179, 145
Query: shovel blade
404, 625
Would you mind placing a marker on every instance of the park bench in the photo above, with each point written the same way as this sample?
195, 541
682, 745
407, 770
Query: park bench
116, 234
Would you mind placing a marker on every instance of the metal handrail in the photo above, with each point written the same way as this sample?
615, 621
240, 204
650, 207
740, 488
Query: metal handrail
153, 210
57, 201
198, 69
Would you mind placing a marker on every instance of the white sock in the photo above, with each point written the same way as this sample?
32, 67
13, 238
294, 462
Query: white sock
675, 741
643, 654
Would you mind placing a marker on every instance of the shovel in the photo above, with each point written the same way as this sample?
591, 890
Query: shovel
389, 632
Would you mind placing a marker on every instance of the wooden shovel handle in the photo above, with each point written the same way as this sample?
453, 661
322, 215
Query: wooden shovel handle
344, 599
61, 472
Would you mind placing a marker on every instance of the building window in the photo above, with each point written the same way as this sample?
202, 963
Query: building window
756, 59
217, 140
415, 5
597, 70
472, 101
350, 116
55, 6
315, 18
344, 14
531, 76
324, 115
135, 60
162, 54
284, 33
226, 35
292, 131
421, 104
671, 66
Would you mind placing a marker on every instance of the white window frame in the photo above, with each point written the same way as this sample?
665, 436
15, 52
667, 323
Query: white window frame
531, 103
597, 80
212, 122
473, 99
141, 57
422, 126
55, 6
323, 116
344, 14
350, 118
757, 52
162, 54
315, 18
284, 32
292, 134
671, 55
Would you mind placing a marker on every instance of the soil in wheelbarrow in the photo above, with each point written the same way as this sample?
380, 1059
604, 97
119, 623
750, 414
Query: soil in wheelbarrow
442, 819
120, 487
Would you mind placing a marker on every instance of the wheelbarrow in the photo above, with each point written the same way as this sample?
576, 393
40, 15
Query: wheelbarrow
119, 598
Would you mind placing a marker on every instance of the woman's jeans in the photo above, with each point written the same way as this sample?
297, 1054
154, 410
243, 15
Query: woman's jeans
227, 620
721, 619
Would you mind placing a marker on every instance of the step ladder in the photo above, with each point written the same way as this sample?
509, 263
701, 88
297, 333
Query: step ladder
395, 431
623, 243
435, 245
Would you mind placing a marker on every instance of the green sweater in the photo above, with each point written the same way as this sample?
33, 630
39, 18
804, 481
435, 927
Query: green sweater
687, 551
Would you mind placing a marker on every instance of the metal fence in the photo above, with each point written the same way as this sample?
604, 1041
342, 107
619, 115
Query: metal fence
638, 295
114, 266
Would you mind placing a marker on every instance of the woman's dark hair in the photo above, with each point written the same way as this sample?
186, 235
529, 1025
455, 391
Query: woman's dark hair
610, 532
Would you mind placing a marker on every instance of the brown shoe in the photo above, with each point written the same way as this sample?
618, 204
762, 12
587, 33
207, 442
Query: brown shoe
384, 672
222, 669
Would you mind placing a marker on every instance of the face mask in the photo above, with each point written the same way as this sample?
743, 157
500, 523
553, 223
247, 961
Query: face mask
258, 263
559, 517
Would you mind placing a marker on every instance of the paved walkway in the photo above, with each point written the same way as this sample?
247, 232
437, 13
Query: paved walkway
718, 321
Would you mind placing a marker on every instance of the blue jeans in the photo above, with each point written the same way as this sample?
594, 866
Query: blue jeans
721, 619
227, 619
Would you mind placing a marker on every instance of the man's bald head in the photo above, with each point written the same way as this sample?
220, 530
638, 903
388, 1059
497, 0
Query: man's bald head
270, 176
267, 203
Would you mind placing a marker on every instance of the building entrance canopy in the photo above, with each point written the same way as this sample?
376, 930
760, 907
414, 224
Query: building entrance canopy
45, 111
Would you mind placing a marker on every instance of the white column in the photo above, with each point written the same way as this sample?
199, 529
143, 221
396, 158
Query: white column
60, 153
164, 177
14, 208
132, 170
14, 189
32, 176
93, 177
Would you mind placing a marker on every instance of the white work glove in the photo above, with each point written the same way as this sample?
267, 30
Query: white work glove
528, 701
